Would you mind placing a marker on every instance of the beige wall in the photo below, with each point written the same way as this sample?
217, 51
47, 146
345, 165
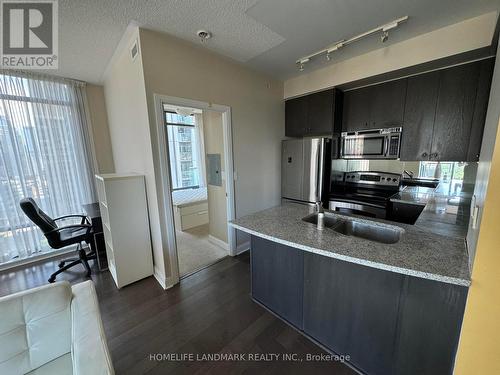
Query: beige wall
177, 68
479, 347
100, 129
125, 95
450, 40
214, 144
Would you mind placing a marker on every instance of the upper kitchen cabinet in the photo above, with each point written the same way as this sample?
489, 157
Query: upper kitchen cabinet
445, 112
374, 107
454, 112
419, 115
313, 115
296, 117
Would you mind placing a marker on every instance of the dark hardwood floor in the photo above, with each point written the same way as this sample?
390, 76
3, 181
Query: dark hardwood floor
208, 312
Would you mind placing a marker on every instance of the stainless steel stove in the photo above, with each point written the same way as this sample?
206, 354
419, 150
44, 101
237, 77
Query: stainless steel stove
363, 193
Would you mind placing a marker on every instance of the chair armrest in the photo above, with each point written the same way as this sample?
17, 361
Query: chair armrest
89, 349
83, 217
82, 226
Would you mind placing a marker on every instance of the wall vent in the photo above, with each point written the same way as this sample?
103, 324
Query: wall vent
134, 50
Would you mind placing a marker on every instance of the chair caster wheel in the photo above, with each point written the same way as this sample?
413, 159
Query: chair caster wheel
52, 279
61, 264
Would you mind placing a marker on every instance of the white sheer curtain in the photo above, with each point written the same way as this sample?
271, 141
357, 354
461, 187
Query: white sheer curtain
45, 153
200, 149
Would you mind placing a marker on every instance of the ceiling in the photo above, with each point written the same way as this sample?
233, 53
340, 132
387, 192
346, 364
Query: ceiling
266, 35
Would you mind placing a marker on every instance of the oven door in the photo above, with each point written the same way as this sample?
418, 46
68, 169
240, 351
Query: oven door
358, 208
369, 146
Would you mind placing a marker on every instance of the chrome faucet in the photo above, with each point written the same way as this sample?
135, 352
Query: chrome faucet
408, 173
319, 207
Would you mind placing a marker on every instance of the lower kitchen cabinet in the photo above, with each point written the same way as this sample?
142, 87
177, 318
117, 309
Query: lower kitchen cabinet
278, 278
387, 322
352, 310
429, 327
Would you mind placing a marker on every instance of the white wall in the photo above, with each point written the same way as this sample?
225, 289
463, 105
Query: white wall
214, 144
177, 68
127, 110
484, 165
100, 129
461, 37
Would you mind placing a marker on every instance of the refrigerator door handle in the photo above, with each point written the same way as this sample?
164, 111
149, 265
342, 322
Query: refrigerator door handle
320, 164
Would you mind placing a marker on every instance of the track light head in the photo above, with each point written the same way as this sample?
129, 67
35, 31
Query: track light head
384, 36
301, 64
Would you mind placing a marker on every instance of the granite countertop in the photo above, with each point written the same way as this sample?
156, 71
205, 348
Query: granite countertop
444, 213
419, 252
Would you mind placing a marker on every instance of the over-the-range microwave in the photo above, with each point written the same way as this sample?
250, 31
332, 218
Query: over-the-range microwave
371, 144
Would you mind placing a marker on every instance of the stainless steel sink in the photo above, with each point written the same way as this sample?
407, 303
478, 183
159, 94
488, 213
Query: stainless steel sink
368, 231
329, 221
371, 232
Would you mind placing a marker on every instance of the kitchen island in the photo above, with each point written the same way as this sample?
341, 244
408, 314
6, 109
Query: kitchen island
392, 307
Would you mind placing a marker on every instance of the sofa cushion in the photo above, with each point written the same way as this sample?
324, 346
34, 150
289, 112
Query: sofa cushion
59, 366
35, 327
89, 348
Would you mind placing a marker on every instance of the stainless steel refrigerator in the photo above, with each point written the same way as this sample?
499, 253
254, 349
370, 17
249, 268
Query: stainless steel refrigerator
305, 164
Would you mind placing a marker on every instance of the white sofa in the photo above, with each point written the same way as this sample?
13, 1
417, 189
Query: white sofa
53, 329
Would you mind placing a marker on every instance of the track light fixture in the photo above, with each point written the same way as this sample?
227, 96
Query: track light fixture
384, 30
301, 63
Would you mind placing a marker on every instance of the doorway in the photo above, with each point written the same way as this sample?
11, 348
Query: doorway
197, 179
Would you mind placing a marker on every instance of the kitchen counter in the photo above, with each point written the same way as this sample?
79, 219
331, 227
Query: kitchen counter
420, 252
444, 214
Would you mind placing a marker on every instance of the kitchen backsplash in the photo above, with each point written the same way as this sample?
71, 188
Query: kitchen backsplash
458, 176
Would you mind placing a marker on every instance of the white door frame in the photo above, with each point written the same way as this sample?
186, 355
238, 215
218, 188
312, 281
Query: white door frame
164, 174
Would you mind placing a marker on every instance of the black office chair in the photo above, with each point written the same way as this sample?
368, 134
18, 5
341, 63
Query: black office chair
62, 236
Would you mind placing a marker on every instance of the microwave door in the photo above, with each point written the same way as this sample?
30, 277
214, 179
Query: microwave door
359, 147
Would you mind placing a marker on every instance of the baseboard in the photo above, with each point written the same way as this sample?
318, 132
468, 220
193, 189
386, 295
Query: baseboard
38, 258
242, 247
218, 242
160, 277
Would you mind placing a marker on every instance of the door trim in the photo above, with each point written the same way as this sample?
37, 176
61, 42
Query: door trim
164, 182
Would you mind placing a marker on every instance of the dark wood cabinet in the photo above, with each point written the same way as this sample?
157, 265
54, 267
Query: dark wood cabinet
387, 322
320, 113
356, 111
278, 278
419, 115
314, 115
429, 327
445, 113
454, 112
480, 108
442, 112
374, 107
387, 104
296, 117
352, 310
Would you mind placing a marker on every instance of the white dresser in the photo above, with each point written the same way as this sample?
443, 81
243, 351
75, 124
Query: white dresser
125, 222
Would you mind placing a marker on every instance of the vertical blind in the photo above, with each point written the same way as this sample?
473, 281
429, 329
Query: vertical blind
45, 153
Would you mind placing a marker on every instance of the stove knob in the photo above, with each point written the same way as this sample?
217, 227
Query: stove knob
394, 180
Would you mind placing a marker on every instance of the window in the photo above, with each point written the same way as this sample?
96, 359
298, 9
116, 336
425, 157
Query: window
44, 154
451, 174
184, 151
